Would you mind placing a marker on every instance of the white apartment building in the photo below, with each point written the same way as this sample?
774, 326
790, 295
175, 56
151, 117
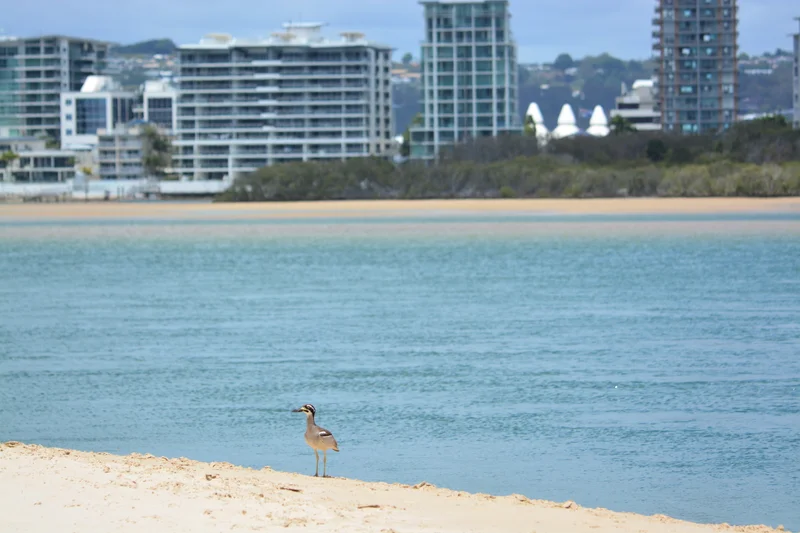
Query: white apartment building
296, 96
100, 104
469, 74
638, 106
34, 72
120, 153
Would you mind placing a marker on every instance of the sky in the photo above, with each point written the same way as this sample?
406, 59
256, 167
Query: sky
542, 28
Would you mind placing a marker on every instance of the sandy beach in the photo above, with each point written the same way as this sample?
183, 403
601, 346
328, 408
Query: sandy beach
50, 489
391, 208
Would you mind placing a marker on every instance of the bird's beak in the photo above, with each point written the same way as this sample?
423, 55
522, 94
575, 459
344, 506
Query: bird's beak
297, 410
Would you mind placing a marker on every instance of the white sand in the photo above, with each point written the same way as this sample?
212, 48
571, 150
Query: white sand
50, 490
377, 208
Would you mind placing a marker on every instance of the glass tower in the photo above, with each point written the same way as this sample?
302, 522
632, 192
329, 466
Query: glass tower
469, 74
796, 97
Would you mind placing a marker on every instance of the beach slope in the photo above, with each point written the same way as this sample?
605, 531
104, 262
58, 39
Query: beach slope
49, 489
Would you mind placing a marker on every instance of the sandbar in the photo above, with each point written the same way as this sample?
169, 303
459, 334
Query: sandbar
50, 489
113, 210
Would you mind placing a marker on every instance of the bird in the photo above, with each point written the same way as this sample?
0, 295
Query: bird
318, 438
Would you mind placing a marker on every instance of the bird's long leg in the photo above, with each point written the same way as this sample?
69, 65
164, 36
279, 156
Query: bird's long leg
324, 463
316, 473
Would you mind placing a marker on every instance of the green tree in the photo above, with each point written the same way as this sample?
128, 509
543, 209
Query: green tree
407, 58
157, 151
620, 125
563, 62
656, 150
530, 127
405, 149
8, 159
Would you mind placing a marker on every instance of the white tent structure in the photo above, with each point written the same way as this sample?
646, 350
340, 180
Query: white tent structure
598, 124
535, 114
567, 125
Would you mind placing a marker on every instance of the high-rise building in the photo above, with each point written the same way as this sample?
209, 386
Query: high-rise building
34, 72
797, 77
296, 96
696, 74
469, 74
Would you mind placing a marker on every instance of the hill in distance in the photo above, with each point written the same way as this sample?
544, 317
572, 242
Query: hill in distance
147, 48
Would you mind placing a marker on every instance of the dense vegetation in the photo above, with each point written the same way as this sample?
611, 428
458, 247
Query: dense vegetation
756, 158
147, 48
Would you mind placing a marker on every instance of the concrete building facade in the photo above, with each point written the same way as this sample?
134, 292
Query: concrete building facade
33, 74
696, 45
469, 74
296, 96
100, 104
637, 106
120, 153
159, 104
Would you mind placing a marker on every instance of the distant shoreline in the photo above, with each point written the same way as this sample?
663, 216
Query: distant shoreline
50, 487
392, 208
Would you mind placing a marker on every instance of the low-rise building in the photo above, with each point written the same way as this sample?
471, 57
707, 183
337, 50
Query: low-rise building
27, 159
637, 106
44, 166
100, 104
121, 152
15, 145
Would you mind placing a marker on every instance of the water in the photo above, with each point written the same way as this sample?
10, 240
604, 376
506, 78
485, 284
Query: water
638, 365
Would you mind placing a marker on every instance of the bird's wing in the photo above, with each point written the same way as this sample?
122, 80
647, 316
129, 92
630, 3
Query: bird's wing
327, 436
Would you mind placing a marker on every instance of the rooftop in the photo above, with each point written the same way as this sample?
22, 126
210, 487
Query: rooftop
18, 139
97, 84
445, 2
6, 39
307, 34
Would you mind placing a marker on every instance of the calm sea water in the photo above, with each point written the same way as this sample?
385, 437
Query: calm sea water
628, 368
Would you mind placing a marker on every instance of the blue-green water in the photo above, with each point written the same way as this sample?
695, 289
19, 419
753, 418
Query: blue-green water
638, 370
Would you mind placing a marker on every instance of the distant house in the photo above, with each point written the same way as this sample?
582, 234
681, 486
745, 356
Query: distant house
637, 106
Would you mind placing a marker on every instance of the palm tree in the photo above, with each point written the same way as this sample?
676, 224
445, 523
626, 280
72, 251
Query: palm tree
530, 127
620, 125
8, 159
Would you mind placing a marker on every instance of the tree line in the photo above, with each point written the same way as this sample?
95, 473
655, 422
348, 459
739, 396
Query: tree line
754, 158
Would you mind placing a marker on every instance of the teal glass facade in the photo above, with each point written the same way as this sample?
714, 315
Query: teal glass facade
469, 75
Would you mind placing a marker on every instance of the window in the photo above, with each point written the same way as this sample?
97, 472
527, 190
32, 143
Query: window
91, 115
122, 111
69, 132
69, 116
159, 111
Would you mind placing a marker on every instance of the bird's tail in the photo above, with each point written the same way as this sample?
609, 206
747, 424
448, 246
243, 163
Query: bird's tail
335, 448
